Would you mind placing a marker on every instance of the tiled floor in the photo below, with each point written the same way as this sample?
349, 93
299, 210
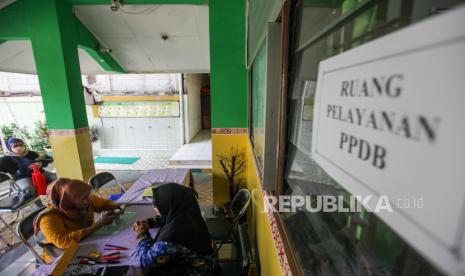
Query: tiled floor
20, 261
196, 154
155, 160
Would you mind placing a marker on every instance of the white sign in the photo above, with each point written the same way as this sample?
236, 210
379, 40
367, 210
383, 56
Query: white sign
389, 120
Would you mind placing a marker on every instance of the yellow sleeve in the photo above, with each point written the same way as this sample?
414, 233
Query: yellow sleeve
100, 204
54, 231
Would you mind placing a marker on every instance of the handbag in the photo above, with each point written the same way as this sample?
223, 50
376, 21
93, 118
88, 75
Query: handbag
38, 181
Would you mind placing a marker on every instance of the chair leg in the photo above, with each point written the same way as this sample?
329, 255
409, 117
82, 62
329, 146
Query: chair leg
121, 186
12, 188
5, 241
9, 228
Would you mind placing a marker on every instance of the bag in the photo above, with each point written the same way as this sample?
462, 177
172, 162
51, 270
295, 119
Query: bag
38, 180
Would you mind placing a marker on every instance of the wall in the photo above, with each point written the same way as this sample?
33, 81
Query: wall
192, 105
12, 82
229, 100
259, 223
141, 133
24, 111
130, 83
106, 84
114, 133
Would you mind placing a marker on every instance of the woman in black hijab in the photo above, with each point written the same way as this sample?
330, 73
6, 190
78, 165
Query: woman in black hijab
183, 245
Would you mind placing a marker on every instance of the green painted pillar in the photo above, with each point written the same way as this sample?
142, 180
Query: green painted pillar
227, 64
228, 81
54, 41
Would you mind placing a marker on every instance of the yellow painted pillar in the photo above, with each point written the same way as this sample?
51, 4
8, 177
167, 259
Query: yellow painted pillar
72, 151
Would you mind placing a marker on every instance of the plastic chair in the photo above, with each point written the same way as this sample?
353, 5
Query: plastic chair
222, 228
25, 230
103, 178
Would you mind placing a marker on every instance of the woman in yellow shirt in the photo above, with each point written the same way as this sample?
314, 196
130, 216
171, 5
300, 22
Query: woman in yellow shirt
70, 215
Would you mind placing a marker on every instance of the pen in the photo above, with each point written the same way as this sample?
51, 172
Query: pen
116, 246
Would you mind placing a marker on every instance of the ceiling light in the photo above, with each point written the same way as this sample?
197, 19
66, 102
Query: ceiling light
115, 5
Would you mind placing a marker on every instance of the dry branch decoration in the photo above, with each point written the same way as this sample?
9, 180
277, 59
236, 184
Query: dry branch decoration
233, 165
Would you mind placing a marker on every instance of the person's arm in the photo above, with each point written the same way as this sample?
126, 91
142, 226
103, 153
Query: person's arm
101, 204
149, 252
156, 222
45, 160
53, 229
22, 165
7, 165
32, 156
153, 254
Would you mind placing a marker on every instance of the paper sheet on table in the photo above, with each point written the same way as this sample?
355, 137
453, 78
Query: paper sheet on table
117, 225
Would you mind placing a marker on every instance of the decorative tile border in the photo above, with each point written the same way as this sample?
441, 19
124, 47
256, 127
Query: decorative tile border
140, 98
285, 268
229, 131
67, 132
139, 109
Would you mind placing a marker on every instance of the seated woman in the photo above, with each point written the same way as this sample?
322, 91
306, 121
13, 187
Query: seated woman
183, 245
70, 215
18, 162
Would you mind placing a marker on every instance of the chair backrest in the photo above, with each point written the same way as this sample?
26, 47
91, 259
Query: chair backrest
239, 206
4, 177
240, 203
25, 230
101, 179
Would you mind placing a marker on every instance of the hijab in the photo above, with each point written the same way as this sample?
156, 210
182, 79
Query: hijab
64, 195
184, 224
9, 145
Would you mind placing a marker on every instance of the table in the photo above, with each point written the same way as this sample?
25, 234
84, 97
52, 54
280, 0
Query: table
133, 195
126, 237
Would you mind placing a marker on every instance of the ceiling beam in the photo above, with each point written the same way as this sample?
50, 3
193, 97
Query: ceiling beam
138, 2
91, 45
14, 27
13, 22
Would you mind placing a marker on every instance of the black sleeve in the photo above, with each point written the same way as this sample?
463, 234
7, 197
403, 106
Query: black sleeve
9, 165
4, 164
46, 160
31, 155
156, 222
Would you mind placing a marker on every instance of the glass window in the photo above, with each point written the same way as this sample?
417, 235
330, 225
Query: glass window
258, 94
340, 243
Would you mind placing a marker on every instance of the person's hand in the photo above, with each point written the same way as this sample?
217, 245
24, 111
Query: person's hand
38, 165
107, 218
120, 209
140, 227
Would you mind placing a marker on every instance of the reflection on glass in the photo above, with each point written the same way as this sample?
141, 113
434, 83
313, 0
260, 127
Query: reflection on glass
258, 104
